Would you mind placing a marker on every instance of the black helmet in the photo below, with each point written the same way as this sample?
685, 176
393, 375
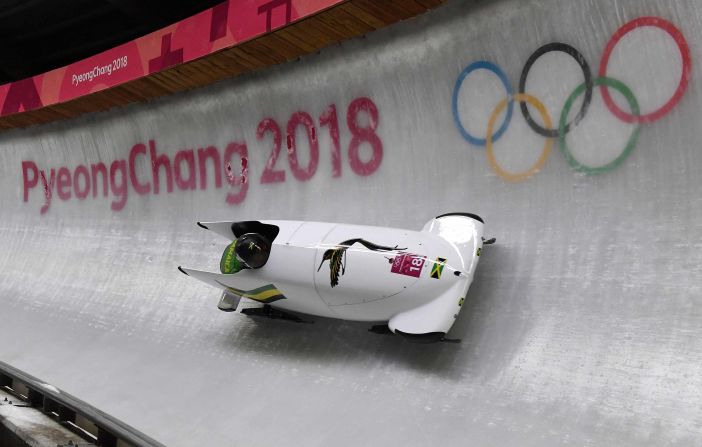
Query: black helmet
253, 249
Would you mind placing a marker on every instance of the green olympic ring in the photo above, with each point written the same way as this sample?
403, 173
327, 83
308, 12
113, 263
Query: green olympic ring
563, 123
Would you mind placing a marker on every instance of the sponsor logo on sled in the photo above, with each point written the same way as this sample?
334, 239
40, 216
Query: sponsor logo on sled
408, 264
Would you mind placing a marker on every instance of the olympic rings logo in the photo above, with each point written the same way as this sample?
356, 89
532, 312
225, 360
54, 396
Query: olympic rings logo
586, 89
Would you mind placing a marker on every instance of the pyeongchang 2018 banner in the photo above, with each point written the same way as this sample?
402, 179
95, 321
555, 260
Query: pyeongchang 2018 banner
225, 25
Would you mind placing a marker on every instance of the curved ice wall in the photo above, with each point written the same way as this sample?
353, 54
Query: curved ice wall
583, 324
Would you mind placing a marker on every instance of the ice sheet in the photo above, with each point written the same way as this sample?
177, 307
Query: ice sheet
582, 326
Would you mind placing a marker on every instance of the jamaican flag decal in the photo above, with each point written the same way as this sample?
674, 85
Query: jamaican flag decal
266, 294
437, 268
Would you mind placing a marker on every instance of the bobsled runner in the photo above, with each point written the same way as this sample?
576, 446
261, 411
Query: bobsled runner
413, 282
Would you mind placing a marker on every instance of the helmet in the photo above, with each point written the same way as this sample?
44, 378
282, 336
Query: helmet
253, 249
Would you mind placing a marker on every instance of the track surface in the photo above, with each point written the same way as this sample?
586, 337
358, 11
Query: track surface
582, 326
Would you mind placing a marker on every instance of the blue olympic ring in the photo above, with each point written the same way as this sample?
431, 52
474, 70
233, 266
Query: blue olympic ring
485, 65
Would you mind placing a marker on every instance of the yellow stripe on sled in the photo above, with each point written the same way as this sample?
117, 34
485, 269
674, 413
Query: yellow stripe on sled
266, 294
263, 296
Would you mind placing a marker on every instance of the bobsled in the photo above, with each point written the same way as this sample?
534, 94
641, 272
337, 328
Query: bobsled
411, 283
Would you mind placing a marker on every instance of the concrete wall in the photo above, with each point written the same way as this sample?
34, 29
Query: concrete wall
582, 326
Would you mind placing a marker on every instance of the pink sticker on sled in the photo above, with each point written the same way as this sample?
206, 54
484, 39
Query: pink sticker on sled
408, 264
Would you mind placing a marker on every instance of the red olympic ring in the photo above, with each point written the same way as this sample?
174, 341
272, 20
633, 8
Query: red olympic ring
684, 78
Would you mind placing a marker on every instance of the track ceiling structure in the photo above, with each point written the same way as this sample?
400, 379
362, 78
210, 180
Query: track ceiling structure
40, 35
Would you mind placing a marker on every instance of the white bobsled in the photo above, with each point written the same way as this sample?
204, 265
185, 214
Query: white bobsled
416, 281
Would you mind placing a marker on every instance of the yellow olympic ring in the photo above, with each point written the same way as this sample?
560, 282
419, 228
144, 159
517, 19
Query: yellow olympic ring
548, 144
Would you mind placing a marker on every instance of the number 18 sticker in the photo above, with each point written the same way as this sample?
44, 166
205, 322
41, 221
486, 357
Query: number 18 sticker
408, 264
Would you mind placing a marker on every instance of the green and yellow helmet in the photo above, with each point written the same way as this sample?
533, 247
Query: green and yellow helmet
253, 249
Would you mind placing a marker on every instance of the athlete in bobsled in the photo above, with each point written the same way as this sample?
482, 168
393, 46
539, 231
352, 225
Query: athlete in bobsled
410, 283
248, 251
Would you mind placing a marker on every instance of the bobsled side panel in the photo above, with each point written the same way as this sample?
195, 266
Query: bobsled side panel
354, 264
435, 316
238, 284
386, 272
464, 233
425, 290
291, 268
285, 281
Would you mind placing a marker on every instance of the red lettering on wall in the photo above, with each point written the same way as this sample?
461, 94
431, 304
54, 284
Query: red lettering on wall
237, 180
188, 157
329, 118
365, 154
63, 181
364, 135
271, 175
304, 119
157, 162
119, 188
95, 169
202, 156
27, 167
48, 187
81, 193
140, 188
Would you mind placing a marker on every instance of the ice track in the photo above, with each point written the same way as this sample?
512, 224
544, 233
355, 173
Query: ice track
584, 323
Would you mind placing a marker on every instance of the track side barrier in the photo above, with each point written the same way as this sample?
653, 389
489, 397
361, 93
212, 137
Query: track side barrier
70, 411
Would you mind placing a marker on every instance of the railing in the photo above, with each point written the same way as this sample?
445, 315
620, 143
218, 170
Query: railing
71, 412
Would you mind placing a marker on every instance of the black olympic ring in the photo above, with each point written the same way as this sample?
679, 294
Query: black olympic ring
580, 59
